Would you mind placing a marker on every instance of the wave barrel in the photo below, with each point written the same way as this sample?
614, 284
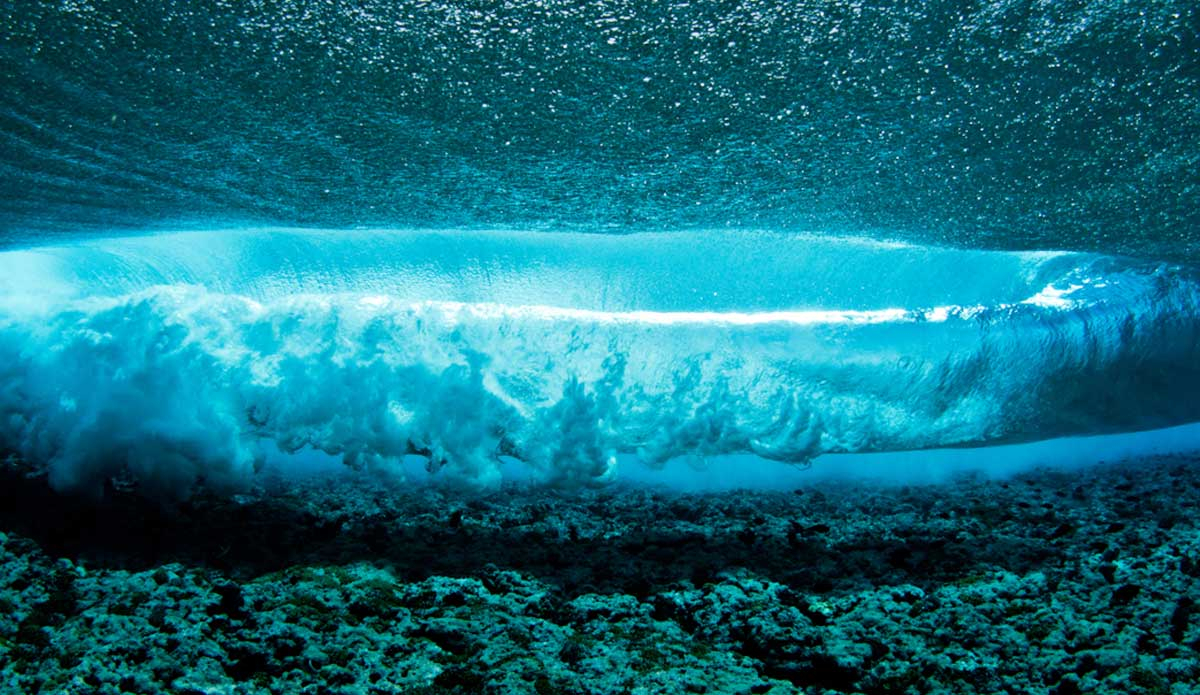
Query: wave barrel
175, 356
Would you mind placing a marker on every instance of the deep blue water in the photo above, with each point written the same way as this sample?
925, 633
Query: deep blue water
567, 233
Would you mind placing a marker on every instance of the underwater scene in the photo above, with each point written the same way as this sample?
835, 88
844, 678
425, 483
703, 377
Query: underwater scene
599, 346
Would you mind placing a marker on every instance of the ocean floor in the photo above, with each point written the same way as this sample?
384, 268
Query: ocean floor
1048, 582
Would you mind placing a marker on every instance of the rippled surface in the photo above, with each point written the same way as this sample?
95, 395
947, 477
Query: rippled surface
1018, 125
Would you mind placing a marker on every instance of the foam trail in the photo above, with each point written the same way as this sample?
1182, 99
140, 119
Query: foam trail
171, 357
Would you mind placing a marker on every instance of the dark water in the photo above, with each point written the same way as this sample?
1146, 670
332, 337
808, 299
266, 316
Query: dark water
999, 124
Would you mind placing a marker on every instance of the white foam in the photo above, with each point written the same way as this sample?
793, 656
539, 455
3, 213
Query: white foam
140, 361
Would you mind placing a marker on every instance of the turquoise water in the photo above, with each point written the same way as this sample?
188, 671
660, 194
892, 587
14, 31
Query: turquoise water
178, 356
566, 233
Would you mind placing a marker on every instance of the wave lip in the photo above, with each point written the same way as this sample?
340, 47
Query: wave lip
174, 357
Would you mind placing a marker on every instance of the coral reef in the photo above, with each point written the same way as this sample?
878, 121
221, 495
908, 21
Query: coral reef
1053, 583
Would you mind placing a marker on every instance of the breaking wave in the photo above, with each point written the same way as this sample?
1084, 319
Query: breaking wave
173, 357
